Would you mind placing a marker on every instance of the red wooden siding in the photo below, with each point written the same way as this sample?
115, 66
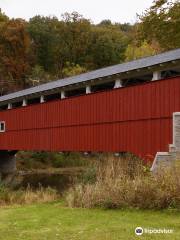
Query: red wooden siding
134, 119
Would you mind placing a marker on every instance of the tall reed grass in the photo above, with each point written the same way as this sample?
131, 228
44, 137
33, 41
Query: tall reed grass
127, 182
26, 196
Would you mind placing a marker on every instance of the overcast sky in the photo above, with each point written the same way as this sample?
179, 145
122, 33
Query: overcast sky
96, 10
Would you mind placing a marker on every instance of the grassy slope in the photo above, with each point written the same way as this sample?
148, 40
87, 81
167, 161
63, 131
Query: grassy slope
53, 221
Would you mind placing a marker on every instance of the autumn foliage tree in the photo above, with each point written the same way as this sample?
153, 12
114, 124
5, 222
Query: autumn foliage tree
47, 48
14, 52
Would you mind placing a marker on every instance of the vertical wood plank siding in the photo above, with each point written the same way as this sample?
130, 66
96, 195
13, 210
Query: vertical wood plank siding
135, 119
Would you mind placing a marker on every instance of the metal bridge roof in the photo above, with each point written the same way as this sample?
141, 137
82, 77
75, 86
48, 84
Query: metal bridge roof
169, 56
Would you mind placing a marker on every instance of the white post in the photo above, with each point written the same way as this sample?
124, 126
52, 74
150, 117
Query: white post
118, 83
42, 99
88, 89
24, 102
156, 75
63, 94
9, 105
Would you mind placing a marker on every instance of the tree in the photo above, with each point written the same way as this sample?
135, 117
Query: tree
105, 22
57, 42
43, 32
14, 50
3, 17
76, 37
161, 23
45, 48
134, 52
38, 76
108, 46
72, 69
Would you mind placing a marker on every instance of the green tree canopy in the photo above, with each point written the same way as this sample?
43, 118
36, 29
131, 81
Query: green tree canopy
135, 52
161, 23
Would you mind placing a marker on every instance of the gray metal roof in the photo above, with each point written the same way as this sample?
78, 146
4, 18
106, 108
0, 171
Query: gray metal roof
100, 73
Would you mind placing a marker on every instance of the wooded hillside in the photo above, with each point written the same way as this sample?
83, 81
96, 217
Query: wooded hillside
47, 48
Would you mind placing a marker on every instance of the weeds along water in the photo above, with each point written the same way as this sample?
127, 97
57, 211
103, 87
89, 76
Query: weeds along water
126, 182
105, 182
27, 196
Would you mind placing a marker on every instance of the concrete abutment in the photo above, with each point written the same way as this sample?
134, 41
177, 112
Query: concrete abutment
7, 164
170, 158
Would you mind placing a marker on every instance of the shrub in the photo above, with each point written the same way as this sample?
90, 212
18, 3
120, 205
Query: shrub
88, 176
71, 159
124, 183
43, 160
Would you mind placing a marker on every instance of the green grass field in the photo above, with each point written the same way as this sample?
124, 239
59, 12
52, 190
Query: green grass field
54, 221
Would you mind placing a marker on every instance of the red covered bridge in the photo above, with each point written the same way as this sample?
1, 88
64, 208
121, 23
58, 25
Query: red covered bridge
124, 108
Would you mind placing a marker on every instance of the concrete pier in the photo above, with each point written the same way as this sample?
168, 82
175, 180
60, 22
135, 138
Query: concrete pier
7, 164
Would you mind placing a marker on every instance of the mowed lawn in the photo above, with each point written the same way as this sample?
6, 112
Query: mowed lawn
54, 221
